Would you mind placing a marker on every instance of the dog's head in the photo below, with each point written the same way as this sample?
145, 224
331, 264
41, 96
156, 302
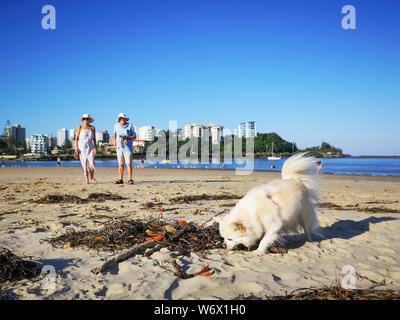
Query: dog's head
235, 231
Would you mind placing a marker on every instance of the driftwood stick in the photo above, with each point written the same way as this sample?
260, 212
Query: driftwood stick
154, 249
137, 249
217, 214
124, 256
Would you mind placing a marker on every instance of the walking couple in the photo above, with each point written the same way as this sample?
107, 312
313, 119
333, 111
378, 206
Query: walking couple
85, 146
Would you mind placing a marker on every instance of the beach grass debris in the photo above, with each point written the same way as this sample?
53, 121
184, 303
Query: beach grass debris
139, 248
125, 233
191, 198
13, 268
329, 293
360, 207
68, 198
207, 197
333, 292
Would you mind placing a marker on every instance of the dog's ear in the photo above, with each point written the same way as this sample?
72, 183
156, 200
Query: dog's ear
239, 226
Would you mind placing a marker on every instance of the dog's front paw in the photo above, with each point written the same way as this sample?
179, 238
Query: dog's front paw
259, 252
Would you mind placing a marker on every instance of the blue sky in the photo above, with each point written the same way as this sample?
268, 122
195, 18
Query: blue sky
288, 65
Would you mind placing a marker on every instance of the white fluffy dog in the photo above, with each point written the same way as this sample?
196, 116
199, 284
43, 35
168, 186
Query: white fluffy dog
281, 206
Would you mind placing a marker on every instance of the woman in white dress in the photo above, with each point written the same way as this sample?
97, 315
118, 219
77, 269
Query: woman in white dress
85, 146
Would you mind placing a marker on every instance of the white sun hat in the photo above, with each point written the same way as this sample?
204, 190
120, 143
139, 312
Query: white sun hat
87, 116
122, 115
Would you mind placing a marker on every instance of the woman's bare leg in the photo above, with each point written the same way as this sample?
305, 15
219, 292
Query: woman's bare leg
91, 170
85, 170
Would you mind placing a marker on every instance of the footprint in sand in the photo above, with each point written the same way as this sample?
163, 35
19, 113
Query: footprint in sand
286, 279
382, 259
387, 259
371, 275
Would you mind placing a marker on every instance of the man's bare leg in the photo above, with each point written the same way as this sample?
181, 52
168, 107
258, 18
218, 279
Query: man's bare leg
129, 166
121, 172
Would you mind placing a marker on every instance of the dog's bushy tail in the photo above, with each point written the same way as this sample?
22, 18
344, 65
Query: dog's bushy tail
302, 168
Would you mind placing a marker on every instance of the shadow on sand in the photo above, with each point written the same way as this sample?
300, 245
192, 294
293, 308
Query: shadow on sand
343, 229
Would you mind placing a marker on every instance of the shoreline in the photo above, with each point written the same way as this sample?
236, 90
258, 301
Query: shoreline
255, 173
48, 158
213, 169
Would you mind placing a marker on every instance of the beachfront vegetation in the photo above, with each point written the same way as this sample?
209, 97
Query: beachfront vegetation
324, 150
67, 144
263, 144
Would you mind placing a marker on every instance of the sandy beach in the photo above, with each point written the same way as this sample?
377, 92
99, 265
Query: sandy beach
357, 229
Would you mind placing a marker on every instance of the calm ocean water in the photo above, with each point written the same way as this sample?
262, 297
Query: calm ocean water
351, 165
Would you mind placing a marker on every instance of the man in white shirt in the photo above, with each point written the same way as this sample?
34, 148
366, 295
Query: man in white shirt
124, 134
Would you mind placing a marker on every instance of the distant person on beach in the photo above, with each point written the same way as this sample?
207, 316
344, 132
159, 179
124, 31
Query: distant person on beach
58, 162
85, 146
319, 166
272, 166
223, 164
124, 134
142, 163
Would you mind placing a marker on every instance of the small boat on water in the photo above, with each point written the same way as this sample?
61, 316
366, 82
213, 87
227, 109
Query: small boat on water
166, 161
273, 156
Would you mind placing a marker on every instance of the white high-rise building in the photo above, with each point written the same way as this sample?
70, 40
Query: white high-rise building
102, 136
39, 144
247, 129
62, 136
72, 134
145, 133
198, 131
216, 133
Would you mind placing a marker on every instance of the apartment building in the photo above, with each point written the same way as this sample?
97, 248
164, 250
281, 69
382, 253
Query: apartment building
39, 144
202, 131
62, 136
247, 129
17, 133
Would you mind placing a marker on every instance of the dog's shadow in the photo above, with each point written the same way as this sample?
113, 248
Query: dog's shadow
343, 229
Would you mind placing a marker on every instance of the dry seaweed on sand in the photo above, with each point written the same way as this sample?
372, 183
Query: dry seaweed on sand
191, 198
125, 233
330, 293
114, 235
59, 198
333, 292
67, 198
13, 268
358, 207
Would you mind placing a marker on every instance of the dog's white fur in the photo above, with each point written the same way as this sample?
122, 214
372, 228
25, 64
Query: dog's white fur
281, 206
